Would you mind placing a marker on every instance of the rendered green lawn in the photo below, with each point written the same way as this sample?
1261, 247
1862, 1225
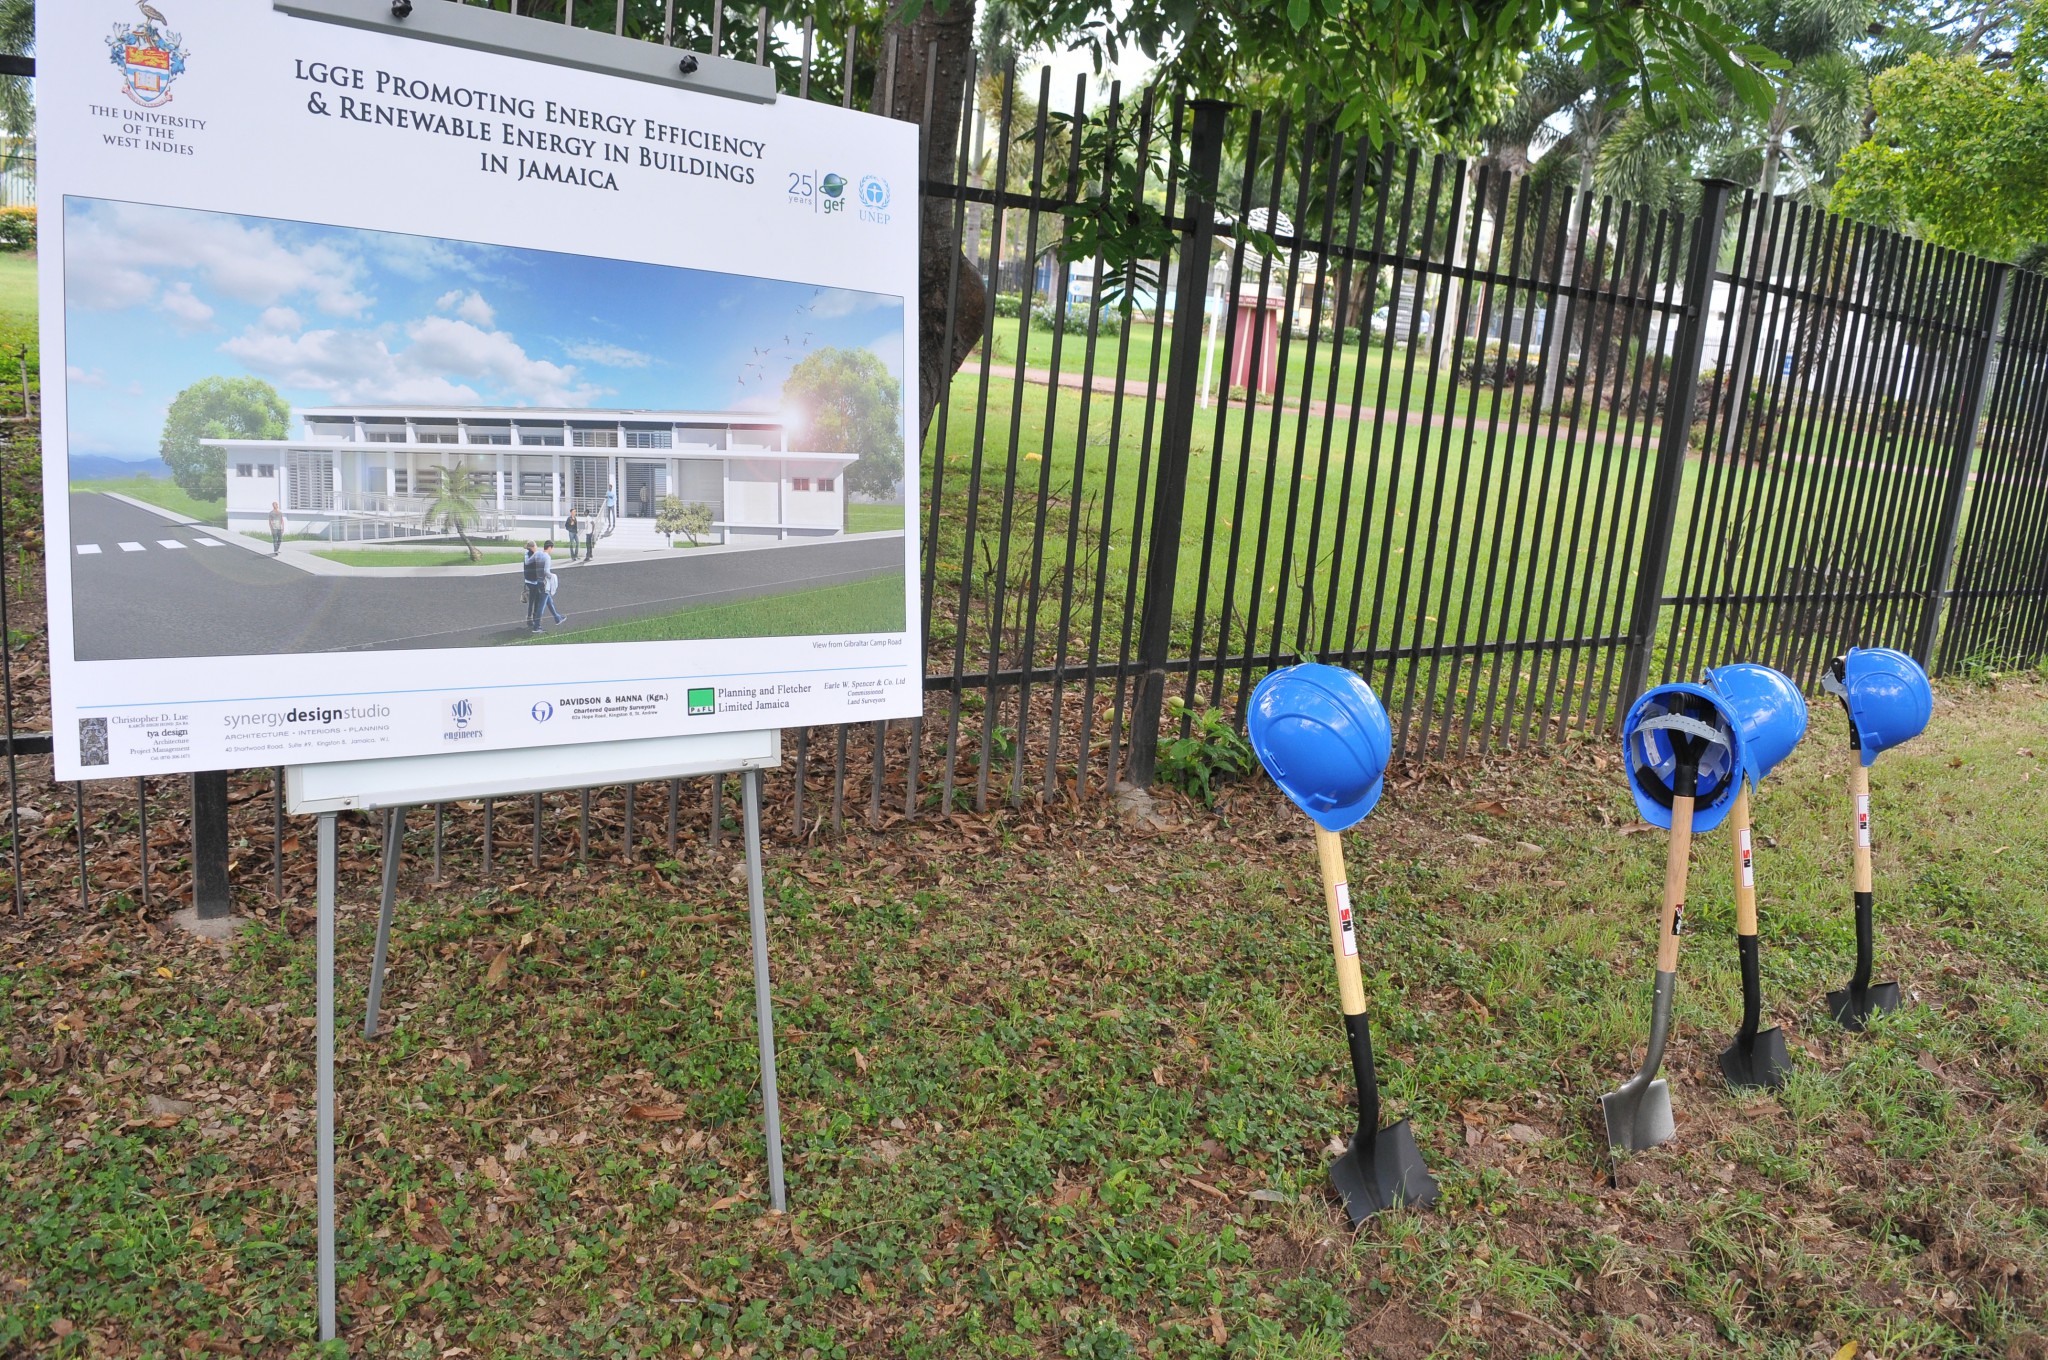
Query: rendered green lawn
1053, 1088
416, 557
874, 605
161, 491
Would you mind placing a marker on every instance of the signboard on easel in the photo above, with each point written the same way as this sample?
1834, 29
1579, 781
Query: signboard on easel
347, 321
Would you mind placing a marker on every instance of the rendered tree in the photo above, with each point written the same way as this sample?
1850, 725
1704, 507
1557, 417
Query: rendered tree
675, 516
218, 408
848, 403
455, 505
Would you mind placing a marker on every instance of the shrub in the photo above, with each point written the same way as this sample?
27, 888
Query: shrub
1009, 304
18, 228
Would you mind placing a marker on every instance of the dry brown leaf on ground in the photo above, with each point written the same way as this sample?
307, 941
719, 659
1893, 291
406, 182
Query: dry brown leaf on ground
657, 1114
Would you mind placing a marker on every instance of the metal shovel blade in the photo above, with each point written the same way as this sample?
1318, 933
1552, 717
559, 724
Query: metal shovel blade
1763, 1063
1638, 1117
1384, 1173
1855, 1007
1639, 1114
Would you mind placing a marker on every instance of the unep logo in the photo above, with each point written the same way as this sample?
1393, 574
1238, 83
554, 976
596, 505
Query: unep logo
874, 193
460, 712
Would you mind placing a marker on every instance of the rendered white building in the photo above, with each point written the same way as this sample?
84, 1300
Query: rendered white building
370, 472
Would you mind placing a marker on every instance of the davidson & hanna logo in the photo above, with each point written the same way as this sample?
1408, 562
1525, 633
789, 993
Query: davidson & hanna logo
148, 56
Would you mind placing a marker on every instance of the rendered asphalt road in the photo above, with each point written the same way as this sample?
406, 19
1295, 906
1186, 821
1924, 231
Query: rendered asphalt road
152, 600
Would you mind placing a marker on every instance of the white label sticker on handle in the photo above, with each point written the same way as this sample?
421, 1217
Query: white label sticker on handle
1863, 821
1347, 939
1748, 861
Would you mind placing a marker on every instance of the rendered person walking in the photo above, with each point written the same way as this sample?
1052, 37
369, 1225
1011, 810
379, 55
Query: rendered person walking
611, 508
575, 532
534, 576
552, 584
590, 540
276, 529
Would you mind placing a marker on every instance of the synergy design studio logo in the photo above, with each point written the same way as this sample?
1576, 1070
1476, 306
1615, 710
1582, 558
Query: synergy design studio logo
148, 56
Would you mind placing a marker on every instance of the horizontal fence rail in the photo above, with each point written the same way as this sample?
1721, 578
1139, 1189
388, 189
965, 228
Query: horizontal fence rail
1235, 391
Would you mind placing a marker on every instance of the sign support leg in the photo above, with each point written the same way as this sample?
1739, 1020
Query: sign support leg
764, 1003
324, 1130
394, 838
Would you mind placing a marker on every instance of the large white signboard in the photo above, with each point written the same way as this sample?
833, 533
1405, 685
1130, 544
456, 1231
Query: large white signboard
336, 323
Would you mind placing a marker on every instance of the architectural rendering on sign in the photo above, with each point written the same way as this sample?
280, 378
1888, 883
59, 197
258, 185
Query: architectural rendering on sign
328, 439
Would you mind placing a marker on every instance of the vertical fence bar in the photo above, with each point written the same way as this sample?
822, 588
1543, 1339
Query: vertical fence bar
1155, 631
1677, 424
1941, 566
142, 831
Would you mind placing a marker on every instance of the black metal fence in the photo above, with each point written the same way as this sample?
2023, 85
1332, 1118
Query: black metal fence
1506, 448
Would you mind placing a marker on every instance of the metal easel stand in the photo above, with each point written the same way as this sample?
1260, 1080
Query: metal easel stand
394, 830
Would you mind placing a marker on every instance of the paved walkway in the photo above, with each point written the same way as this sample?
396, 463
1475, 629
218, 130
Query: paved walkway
145, 586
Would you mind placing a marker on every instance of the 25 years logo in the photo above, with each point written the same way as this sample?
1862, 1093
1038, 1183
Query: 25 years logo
148, 55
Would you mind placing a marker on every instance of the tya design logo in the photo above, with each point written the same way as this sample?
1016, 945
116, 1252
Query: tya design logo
148, 56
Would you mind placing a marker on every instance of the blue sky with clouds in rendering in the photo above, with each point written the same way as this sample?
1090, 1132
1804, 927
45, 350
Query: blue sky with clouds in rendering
158, 298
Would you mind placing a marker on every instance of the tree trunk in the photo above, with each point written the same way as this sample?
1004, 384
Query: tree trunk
936, 49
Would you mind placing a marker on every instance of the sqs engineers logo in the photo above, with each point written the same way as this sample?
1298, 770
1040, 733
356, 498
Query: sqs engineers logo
463, 719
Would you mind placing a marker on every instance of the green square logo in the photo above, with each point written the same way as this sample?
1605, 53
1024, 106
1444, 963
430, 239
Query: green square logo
703, 701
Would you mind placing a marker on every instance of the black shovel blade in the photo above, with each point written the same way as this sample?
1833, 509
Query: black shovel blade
1764, 1065
1385, 1173
1854, 1010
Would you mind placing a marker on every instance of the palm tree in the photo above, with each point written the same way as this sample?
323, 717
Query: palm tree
454, 506
17, 39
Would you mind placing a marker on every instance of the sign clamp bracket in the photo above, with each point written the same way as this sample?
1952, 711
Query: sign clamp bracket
513, 35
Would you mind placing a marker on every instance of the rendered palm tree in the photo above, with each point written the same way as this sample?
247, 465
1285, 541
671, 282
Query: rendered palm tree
17, 39
454, 506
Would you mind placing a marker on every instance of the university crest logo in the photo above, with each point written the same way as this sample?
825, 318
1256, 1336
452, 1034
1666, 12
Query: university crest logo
148, 56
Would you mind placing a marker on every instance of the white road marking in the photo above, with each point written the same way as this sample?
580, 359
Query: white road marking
131, 547
169, 543
88, 549
209, 543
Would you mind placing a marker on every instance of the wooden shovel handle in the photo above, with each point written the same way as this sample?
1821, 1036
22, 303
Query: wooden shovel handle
1675, 864
1745, 872
1343, 935
1859, 820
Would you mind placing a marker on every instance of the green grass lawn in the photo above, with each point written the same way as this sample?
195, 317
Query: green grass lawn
164, 492
1051, 1089
416, 557
871, 606
18, 329
863, 517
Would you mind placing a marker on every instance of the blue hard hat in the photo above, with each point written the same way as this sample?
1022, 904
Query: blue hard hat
1665, 716
1321, 733
1887, 696
1769, 707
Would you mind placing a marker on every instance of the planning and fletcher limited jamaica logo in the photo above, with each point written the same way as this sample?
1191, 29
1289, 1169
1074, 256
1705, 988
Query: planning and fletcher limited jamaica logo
148, 55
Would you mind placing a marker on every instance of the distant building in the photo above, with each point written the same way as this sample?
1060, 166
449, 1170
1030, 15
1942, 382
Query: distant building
370, 472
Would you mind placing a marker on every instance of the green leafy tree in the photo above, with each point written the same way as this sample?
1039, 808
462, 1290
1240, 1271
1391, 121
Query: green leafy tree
1958, 153
456, 506
848, 403
675, 516
218, 408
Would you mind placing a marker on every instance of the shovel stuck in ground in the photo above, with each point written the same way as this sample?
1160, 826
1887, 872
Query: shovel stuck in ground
1324, 738
1757, 1058
1382, 1168
1888, 700
1771, 713
1670, 735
